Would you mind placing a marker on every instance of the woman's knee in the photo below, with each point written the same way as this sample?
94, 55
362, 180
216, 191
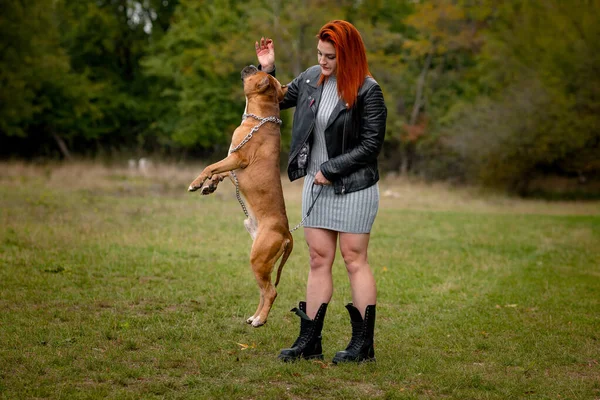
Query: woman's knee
355, 261
353, 248
321, 257
321, 247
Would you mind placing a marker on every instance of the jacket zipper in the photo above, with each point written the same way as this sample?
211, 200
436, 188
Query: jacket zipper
344, 145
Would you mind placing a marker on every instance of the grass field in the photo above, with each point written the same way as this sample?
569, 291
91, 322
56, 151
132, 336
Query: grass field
119, 284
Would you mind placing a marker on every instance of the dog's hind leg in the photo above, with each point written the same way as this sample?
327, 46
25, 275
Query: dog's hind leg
266, 250
261, 303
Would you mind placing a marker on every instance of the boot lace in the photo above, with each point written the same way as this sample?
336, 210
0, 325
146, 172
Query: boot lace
357, 337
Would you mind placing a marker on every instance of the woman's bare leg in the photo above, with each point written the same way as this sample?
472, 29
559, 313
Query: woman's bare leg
362, 282
322, 247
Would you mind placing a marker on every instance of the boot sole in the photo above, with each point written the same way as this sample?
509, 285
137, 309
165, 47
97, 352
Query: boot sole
355, 360
292, 359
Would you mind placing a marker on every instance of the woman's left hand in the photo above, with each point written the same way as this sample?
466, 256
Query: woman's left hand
321, 180
265, 52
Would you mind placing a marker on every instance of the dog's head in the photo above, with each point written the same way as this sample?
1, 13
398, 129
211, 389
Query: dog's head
259, 83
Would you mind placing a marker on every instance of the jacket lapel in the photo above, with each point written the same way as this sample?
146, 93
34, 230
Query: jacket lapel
314, 96
339, 107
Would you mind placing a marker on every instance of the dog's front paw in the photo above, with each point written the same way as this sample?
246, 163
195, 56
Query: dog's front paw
208, 189
257, 322
196, 184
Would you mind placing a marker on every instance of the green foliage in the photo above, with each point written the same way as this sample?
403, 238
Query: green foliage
544, 111
495, 92
106, 41
72, 73
199, 84
40, 90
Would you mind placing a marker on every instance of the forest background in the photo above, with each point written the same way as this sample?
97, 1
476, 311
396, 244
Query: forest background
502, 93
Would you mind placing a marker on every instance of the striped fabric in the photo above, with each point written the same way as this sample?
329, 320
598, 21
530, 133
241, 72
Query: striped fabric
352, 212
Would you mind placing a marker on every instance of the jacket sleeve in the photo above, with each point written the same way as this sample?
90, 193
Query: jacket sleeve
272, 72
370, 141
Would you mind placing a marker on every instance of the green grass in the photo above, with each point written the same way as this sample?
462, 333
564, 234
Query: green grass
123, 286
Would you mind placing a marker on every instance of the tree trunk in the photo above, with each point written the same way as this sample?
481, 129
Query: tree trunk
405, 160
64, 150
407, 148
420, 88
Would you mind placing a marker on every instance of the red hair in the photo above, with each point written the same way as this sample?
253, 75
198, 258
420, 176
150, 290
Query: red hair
352, 67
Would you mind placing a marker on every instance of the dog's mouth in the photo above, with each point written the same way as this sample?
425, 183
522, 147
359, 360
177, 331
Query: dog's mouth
248, 71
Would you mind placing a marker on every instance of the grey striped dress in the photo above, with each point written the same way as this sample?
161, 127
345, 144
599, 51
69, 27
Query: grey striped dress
352, 212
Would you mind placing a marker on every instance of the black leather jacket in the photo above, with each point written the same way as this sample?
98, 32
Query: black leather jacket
354, 137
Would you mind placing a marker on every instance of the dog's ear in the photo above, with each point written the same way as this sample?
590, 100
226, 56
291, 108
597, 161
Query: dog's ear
280, 89
281, 92
263, 84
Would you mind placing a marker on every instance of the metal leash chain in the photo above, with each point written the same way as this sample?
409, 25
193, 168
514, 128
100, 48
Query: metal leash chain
309, 208
243, 142
255, 128
237, 193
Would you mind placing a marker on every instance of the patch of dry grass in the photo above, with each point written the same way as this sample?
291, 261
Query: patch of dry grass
396, 193
414, 194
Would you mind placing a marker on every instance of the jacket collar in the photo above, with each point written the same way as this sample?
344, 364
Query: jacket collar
339, 107
312, 81
342, 105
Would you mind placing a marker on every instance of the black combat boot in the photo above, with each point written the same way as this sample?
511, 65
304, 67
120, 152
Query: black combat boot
308, 344
360, 347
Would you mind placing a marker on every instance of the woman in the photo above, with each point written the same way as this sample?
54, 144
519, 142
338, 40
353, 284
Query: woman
337, 134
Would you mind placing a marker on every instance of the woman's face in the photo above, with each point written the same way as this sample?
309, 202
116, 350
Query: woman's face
327, 58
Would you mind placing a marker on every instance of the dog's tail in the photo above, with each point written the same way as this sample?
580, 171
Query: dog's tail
288, 245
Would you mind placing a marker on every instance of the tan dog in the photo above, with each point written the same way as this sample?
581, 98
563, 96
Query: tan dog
254, 155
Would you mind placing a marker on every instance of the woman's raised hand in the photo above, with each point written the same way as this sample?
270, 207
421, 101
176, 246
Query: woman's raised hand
265, 51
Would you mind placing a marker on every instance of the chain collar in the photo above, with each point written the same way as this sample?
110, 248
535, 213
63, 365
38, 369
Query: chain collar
262, 121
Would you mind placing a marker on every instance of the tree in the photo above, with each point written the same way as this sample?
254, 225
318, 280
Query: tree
542, 111
199, 81
445, 39
70, 73
106, 40
41, 95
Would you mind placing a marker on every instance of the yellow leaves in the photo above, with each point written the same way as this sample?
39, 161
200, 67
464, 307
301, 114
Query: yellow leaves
419, 47
443, 26
322, 364
246, 346
435, 16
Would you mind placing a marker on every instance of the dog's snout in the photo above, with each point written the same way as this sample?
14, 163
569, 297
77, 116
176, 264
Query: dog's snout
249, 70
